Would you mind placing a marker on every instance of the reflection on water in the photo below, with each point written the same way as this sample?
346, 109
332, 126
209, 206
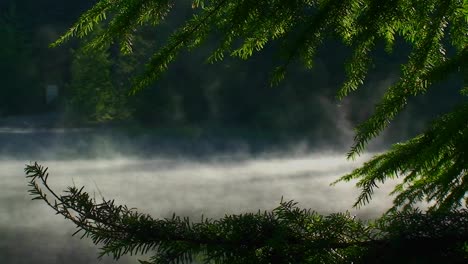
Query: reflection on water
161, 185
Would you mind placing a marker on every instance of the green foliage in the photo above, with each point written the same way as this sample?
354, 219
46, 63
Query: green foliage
285, 235
90, 85
300, 27
436, 32
432, 166
92, 94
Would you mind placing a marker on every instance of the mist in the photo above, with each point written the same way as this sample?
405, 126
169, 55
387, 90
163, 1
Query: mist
194, 178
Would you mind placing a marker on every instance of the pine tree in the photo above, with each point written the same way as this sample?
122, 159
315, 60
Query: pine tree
92, 93
433, 166
90, 89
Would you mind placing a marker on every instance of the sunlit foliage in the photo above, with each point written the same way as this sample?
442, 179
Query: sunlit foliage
435, 30
430, 27
433, 166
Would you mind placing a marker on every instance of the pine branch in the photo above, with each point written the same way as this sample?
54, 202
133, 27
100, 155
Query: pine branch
285, 235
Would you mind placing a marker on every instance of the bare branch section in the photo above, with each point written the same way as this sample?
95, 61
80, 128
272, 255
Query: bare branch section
287, 234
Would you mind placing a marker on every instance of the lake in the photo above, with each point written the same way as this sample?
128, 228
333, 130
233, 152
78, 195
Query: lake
160, 176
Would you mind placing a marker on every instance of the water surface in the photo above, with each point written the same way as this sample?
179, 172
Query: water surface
157, 179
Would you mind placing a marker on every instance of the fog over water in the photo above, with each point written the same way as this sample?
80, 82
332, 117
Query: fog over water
158, 176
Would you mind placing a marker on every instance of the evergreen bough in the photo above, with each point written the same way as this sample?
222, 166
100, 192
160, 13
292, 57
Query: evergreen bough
432, 166
287, 234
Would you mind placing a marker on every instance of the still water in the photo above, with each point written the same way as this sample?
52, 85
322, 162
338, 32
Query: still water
159, 179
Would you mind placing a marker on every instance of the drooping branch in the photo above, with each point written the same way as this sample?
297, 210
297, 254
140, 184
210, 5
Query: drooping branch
285, 235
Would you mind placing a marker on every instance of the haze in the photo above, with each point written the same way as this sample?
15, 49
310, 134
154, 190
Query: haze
188, 184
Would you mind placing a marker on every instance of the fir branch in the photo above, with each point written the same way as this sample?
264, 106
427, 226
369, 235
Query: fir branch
285, 235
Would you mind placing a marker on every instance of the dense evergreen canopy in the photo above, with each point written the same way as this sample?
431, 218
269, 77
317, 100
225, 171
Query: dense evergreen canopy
433, 166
